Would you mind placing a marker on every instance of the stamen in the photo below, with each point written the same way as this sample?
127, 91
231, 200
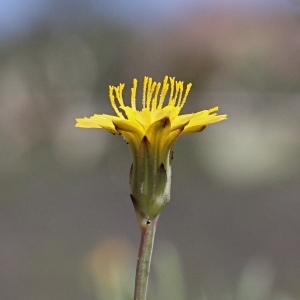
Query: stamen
172, 80
153, 103
188, 88
176, 93
154, 100
149, 94
180, 88
112, 101
133, 94
149, 101
144, 91
119, 93
163, 93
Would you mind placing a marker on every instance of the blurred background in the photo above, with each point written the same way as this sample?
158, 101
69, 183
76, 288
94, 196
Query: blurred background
68, 228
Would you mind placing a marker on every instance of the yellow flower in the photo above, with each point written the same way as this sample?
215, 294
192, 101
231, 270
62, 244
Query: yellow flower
151, 133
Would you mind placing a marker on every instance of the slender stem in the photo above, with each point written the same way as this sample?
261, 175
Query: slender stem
144, 259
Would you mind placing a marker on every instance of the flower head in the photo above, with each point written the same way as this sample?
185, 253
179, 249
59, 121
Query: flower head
151, 133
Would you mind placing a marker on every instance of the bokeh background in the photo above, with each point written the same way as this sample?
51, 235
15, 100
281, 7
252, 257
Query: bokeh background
67, 225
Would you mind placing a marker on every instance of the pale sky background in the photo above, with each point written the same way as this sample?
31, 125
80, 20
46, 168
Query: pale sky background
17, 16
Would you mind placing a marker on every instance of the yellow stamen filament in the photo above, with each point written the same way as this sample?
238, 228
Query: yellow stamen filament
149, 93
119, 93
172, 80
133, 94
173, 102
163, 93
113, 102
154, 101
144, 91
188, 88
151, 90
180, 87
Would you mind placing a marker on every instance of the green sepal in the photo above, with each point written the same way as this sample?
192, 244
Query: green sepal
150, 177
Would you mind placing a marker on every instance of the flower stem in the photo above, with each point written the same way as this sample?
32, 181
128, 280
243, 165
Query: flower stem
144, 259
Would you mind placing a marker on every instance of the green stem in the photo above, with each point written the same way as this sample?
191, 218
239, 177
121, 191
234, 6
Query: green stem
144, 259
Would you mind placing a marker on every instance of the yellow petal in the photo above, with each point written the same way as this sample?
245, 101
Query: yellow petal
97, 121
196, 123
128, 126
142, 118
132, 133
181, 121
159, 130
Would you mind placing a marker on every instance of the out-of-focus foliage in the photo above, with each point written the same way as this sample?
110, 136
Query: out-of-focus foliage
112, 264
110, 270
